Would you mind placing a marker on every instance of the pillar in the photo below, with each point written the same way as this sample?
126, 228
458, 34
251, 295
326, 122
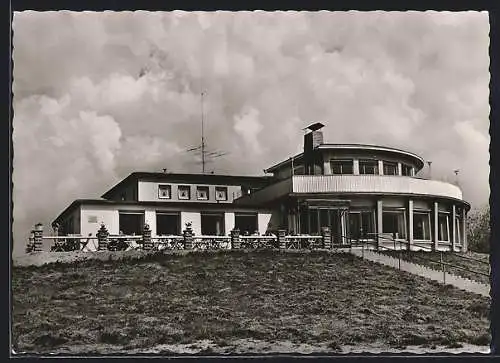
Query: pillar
379, 222
282, 239
435, 234
380, 167
464, 230
453, 227
355, 167
38, 237
102, 238
410, 223
235, 239
326, 236
400, 169
188, 237
31, 242
147, 243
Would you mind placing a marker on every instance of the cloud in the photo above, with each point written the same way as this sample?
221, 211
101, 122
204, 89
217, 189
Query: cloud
100, 95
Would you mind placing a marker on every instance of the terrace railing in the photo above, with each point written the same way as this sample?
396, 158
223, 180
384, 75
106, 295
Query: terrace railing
444, 266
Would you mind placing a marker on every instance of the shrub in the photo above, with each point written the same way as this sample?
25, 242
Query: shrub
478, 230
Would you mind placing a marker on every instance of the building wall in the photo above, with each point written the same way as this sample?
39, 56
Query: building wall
93, 215
148, 192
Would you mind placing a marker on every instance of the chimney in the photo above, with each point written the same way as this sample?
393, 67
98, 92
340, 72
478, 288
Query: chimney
312, 138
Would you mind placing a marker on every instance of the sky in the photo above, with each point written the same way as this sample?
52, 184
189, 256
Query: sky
98, 95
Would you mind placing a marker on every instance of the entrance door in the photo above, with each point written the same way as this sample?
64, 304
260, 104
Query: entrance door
336, 222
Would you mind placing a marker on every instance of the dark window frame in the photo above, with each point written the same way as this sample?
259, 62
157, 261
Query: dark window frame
218, 189
204, 188
167, 187
391, 164
184, 187
364, 163
343, 164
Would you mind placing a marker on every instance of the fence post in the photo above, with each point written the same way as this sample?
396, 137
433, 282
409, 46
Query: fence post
146, 238
235, 239
442, 267
188, 237
102, 238
326, 237
37, 237
282, 239
31, 242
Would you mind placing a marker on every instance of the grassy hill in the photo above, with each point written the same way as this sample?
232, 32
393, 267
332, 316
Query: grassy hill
229, 299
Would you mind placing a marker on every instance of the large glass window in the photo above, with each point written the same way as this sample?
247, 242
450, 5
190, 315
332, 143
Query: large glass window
212, 224
443, 227
131, 223
341, 167
247, 223
406, 170
361, 220
390, 168
421, 226
368, 167
458, 230
168, 223
394, 221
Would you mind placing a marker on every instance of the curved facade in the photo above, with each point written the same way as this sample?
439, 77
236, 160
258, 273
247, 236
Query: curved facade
365, 192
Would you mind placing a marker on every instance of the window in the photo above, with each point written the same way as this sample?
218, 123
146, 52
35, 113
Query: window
458, 230
406, 170
390, 168
212, 224
131, 223
421, 226
443, 227
164, 191
220, 193
361, 220
341, 167
368, 167
168, 223
202, 193
394, 222
247, 223
184, 192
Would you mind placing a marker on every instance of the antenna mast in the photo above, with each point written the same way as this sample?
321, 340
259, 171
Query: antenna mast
202, 138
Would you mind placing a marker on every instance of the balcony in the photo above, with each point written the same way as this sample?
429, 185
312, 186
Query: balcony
373, 184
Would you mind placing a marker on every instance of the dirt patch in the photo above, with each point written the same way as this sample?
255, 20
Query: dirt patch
308, 300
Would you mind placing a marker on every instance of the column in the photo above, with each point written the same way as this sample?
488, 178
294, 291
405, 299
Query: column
327, 169
379, 221
400, 169
355, 166
102, 238
453, 227
412, 171
188, 237
464, 230
235, 239
436, 226
147, 243
380, 167
410, 224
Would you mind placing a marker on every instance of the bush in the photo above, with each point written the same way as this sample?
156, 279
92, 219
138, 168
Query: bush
478, 230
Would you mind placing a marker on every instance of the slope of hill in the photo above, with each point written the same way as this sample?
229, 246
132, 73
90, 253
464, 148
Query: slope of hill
224, 301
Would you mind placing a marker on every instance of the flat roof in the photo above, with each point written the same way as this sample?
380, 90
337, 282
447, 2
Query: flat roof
365, 147
190, 178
